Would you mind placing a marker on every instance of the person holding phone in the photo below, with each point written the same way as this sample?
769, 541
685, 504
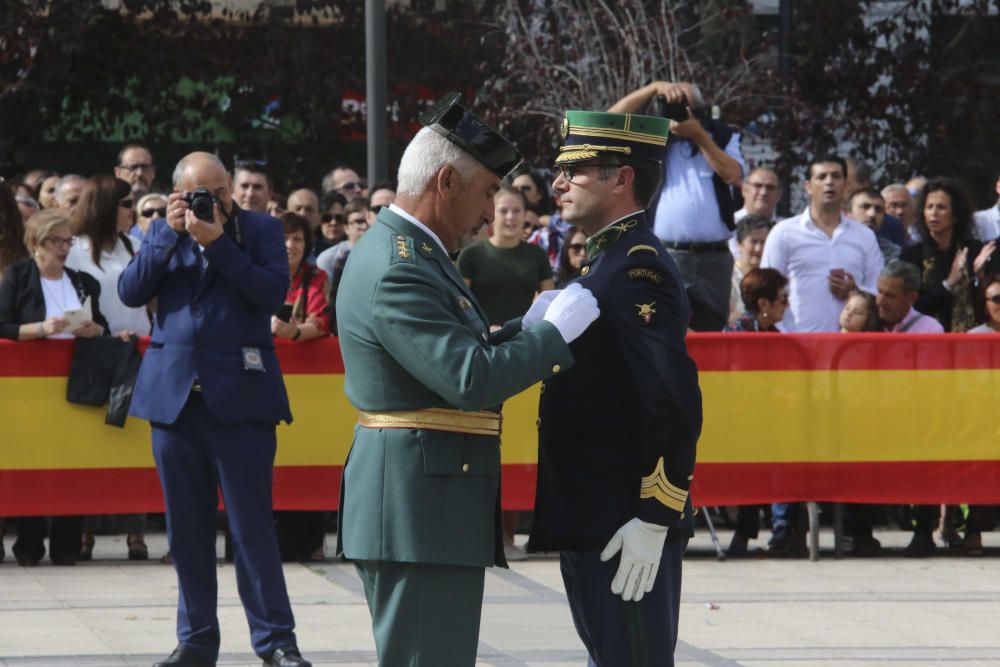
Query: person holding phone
305, 315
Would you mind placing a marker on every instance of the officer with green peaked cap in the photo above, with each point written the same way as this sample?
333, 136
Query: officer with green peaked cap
617, 432
420, 499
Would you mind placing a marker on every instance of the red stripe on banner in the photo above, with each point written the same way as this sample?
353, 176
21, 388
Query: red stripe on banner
842, 352
48, 358
920, 482
135, 490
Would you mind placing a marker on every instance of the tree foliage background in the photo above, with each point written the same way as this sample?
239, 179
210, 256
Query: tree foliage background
912, 86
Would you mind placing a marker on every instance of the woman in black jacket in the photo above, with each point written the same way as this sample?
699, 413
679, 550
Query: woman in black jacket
950, 257
34, 295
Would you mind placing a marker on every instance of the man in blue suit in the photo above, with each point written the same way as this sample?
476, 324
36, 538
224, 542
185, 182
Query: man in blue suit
212, 390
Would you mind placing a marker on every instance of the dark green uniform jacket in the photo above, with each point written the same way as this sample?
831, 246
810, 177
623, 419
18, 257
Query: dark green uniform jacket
413, 337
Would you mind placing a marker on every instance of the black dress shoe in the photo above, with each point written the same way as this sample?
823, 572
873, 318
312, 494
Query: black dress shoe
921, 546
185, 656
288, 656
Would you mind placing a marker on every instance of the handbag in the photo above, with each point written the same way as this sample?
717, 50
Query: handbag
104, 370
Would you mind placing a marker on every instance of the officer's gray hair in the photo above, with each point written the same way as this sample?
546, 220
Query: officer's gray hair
894, 188
905, 271
426, 155
65, 181
185, 161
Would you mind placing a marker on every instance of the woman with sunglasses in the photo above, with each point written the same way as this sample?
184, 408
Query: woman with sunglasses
101, 221
149, 208
34, 295
571, 256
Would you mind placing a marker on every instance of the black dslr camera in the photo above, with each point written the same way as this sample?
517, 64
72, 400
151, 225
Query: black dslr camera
202, 202
678, 111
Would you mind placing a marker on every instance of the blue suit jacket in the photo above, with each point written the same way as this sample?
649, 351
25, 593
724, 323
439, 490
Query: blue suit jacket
203, 323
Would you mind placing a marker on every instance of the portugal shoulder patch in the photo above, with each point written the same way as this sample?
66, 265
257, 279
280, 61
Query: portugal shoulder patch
643, 273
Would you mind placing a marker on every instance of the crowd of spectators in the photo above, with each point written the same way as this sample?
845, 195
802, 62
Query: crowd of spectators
910, 257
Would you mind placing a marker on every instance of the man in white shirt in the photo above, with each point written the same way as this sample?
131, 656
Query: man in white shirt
988, 220
761, 191
823, 253
694, 212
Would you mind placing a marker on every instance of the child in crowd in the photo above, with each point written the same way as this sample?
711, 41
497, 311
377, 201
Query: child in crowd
860, 313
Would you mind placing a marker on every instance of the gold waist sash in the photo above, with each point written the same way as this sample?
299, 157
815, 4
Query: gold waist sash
436, 419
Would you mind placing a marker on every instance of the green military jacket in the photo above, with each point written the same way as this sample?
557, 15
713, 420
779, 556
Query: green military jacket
412, 337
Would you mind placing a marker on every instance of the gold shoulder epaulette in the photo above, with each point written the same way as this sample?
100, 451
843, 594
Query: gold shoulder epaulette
657, 486
402, 248
643, 248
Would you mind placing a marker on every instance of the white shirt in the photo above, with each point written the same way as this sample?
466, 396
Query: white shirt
805, 255
688, 211
60, 296
120, 317
329, 257
988, 223
406, 216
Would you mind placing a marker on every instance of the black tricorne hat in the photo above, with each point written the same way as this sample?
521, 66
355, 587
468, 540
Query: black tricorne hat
452, 121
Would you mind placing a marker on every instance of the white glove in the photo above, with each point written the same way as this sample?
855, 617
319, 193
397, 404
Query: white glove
641, 544
572, 311
538, 308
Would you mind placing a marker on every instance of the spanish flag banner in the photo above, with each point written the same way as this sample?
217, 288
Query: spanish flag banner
857, 418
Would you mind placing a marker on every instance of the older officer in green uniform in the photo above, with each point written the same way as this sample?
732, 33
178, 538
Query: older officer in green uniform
617, 432
420, 497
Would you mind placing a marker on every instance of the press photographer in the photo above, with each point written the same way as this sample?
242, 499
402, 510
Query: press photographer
694, 212
211, 387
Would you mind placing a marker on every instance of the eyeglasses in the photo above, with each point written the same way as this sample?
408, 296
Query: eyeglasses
139, 166
769, 187
158, 212
995, 299
577, 247
352, 185
126, 203
568, 171
60, 241
358, 223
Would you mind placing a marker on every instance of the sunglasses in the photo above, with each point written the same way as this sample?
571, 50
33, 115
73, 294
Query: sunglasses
327, 218
995, 299
158, 212
353, 185
577, 247
126, 203
377, 208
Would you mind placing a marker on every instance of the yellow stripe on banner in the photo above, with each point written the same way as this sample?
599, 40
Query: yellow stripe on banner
44, 432
833, 416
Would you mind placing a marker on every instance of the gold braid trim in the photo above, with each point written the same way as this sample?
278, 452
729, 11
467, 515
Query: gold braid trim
658, 487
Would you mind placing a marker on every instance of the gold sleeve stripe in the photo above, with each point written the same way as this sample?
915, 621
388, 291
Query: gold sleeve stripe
637, 248
657, 486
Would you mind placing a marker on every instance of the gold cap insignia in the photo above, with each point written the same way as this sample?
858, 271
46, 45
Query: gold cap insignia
564, 127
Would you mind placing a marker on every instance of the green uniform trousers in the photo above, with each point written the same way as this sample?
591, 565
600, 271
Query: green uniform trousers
423, 615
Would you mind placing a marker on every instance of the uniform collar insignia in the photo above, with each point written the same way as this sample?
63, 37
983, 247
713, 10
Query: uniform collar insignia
426, 248
608, 235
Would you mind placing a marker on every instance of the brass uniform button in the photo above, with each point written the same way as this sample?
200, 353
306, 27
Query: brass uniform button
465, 467
538, 422
585, 270
556, 368
541, 390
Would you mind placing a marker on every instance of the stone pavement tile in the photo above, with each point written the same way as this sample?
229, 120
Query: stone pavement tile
47, 632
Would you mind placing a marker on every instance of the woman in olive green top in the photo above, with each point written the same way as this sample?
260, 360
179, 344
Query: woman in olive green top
504, 272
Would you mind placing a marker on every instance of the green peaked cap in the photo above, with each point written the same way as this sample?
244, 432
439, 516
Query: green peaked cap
587, 134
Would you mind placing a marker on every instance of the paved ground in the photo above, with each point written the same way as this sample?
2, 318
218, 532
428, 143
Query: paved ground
756, 612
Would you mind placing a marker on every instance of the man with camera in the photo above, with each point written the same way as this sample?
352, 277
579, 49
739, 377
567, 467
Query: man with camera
693, 215
211, 388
